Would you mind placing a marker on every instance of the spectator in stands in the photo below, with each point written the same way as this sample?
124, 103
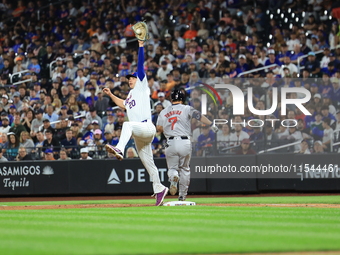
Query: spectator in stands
26, 141
223, 138
23, 155
304, 147
49, 154
96, 45
245, 148
327, 134
84, 154
102, 103
51, 142
81, 47
205, 141
76, 127
27, 120
131, 153
318, 148
46, 126
50, 114
163, 71
12, 147
269, 134
161, 100
336, 125
5, 127
60, 129
87, 138
257, 135
158, 108
17, 128
238, 135
312, 65
80, 80
63, 155
2, 158
16, 101
34, 66
326, 114
93, 116
69, 143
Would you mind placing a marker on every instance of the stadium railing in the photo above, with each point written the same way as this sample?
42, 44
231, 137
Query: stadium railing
24, 81
280, 147
335, 141
257, 69
17, 73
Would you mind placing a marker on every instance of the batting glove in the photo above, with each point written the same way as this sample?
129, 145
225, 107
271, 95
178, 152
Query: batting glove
214, 128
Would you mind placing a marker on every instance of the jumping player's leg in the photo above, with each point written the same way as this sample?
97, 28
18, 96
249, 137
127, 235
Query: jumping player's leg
125, 135
143, 144
138, 129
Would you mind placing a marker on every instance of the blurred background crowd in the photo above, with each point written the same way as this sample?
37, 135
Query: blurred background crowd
56, 56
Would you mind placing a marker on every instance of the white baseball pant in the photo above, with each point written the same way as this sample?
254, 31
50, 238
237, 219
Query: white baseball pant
143, 134
178, 155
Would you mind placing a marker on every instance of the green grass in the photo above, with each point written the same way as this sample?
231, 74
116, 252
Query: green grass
213, 200
172, 230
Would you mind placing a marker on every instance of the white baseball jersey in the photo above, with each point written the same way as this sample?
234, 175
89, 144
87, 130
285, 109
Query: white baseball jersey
141, 128
176, 120
137, 103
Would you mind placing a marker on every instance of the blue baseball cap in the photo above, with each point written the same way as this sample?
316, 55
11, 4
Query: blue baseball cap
131, 75
48, 151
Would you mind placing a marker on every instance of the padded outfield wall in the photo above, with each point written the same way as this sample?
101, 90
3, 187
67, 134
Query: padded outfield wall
307, 173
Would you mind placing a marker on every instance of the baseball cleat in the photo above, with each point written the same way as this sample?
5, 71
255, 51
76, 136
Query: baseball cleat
173, 185
160, 196
181, 198
115, 151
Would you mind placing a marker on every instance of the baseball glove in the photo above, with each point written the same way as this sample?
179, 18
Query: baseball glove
141, 31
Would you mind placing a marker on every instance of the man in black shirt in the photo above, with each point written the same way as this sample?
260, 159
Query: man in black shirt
51, 142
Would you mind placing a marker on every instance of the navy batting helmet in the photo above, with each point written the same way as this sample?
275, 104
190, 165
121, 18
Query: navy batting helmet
177, 95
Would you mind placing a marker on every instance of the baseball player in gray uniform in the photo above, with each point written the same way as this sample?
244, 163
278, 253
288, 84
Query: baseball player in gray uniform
175, 122
140, 126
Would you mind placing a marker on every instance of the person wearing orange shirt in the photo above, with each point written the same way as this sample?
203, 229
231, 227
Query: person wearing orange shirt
170, 82
191, 33
92, 30
19, 10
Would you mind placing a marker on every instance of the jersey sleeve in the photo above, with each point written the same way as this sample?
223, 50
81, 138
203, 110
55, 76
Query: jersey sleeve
160, 119
142, 81
193, 113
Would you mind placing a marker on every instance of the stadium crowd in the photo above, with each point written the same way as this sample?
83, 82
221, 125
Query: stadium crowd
63, 54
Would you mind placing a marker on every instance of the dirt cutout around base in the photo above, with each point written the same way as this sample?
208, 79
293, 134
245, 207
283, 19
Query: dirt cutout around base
86, 206
286, 253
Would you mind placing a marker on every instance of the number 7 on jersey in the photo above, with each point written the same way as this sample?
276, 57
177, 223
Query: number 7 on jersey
172, 120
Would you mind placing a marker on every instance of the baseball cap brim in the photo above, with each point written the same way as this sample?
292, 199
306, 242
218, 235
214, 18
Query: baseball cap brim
131, 75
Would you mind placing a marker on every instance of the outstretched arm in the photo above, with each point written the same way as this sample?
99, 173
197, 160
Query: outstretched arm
118, 101
140, 65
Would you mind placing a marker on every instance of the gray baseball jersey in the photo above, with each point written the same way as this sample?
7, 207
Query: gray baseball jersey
176, 120
176, 123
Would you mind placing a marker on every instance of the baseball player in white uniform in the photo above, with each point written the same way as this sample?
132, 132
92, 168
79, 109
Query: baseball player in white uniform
140, 126
175, 122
